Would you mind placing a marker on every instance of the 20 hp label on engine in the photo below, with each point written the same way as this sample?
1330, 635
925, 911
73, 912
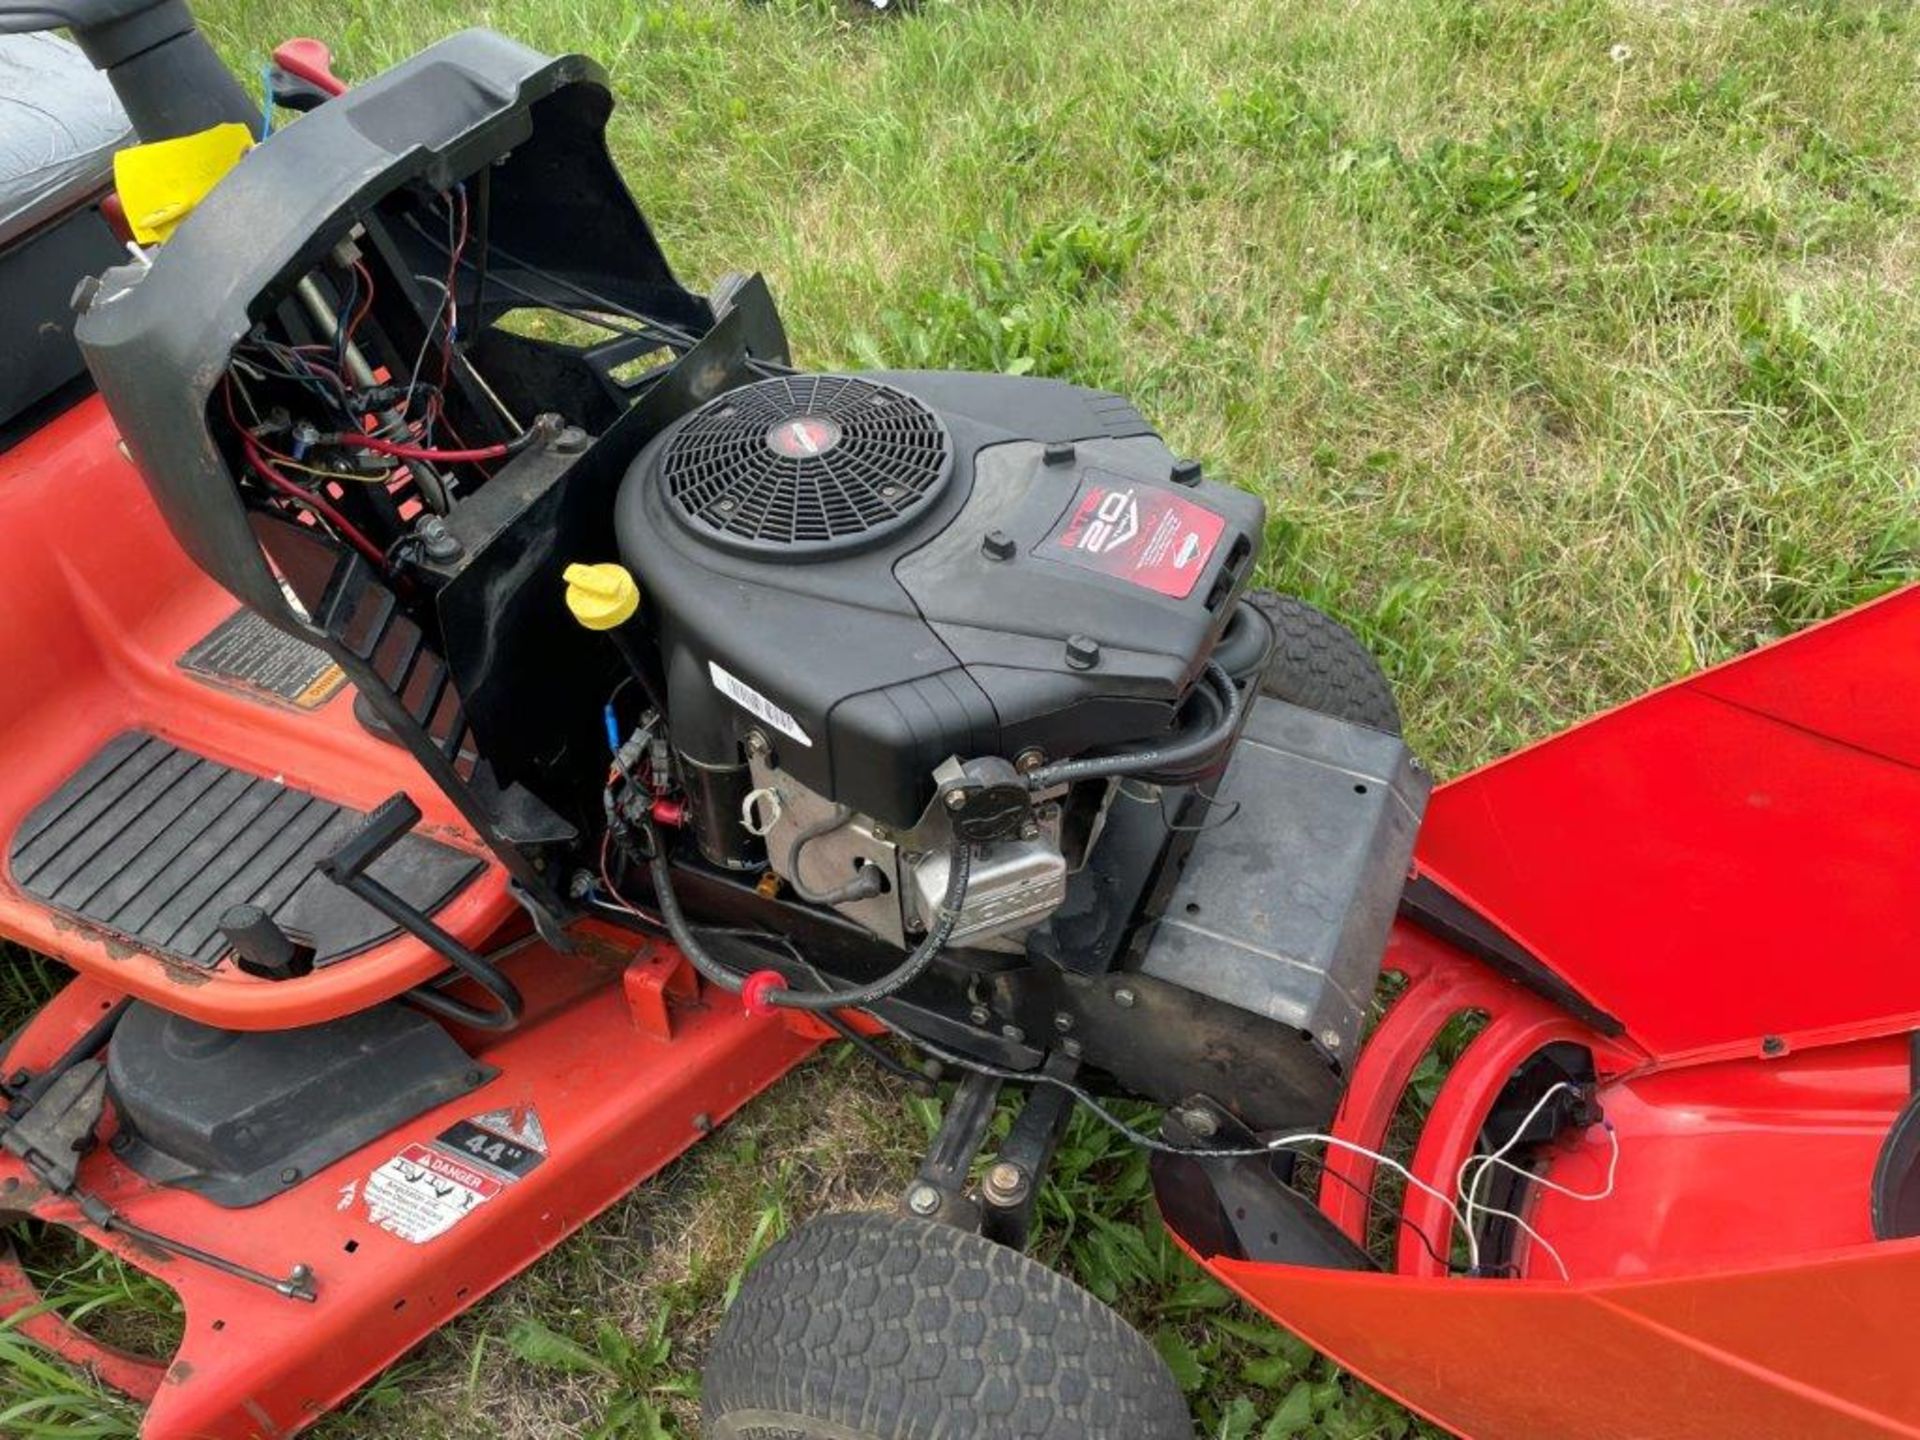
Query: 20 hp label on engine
1142, 534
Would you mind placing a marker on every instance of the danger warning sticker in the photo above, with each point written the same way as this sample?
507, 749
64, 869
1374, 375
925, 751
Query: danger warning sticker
420, 1193
427, 1189
1139, 533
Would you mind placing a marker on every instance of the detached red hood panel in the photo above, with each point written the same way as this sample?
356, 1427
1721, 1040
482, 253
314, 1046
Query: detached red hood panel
1731, 859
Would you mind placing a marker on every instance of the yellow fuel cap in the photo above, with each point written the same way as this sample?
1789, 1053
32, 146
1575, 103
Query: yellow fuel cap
601, 596
160, 183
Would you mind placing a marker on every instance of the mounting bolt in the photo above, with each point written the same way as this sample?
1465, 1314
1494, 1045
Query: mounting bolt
1773, 1045
1124, 998
581, 885
1070, 1048
1330, 1039
922, 1199
436, 541
703, 1123
1029, 831
998, 545
1029, 759
1005, 1185
979, 1015
1083, 652
1057, 452
1185, 472
571, 440
1013, 1033
290, 1174
757, 743
1062, 1021
476, 1077
1198, 1121
956, 799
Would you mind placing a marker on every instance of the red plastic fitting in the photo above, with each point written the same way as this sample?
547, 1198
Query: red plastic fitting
667, 812
755, 989
309, 60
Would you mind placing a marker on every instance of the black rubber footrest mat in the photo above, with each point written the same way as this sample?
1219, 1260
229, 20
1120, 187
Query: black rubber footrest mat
156, 844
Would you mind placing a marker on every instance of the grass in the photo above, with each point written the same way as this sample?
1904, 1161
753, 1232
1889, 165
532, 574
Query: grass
1574, 345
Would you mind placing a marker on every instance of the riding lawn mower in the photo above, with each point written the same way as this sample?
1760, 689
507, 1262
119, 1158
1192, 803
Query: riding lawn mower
479, 715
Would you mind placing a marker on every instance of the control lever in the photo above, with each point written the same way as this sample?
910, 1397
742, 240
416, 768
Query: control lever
348, 867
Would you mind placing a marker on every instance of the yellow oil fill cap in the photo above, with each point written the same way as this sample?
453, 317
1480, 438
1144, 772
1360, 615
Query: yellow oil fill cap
601, 596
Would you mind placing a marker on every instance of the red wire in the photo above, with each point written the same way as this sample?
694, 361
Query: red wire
421, 452
314, 502
366, 298
258, 451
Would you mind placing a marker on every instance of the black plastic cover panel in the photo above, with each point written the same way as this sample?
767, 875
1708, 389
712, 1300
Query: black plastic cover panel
239, 1116
155, 843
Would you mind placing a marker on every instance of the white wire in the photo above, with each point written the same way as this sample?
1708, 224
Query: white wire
1473, 1241
1469, 1189
1537, 1237
1149, 1142
1470, 1193
1606, 1189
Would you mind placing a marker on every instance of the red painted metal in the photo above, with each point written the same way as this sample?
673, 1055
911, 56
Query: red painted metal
1725, 860
93, 620
615, 1102
1715, 863
23, 1310
658, 980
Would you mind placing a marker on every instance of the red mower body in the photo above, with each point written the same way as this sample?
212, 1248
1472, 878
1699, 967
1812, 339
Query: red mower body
1725, 867
1712, 892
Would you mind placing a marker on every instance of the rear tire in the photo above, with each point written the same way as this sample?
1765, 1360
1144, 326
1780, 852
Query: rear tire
1319, 664
881, 1327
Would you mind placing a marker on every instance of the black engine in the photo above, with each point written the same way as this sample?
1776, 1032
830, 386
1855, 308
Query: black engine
872, 574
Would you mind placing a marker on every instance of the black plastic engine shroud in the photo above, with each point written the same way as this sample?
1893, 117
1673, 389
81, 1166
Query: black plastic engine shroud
870, 657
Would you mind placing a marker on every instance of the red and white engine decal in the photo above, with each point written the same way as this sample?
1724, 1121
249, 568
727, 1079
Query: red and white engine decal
1139, 533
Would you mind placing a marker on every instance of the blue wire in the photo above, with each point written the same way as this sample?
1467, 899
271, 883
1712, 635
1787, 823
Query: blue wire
266, 99
613, 730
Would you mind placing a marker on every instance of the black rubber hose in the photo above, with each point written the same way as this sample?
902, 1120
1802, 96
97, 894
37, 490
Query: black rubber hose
863, 886
1206, 745
902, 975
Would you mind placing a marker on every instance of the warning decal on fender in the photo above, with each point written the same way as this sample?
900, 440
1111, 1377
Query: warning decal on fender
1139, 533
426, 1190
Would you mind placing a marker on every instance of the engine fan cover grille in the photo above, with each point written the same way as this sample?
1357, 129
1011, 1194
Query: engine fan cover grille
806, 465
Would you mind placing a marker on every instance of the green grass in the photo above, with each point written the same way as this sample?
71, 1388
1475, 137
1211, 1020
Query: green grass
1573, 344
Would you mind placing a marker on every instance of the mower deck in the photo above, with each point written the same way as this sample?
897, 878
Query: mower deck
619, 1066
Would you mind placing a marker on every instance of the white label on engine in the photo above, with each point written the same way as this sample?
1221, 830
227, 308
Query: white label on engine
750, 699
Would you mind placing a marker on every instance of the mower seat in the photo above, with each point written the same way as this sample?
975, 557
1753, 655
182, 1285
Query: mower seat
59, 128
